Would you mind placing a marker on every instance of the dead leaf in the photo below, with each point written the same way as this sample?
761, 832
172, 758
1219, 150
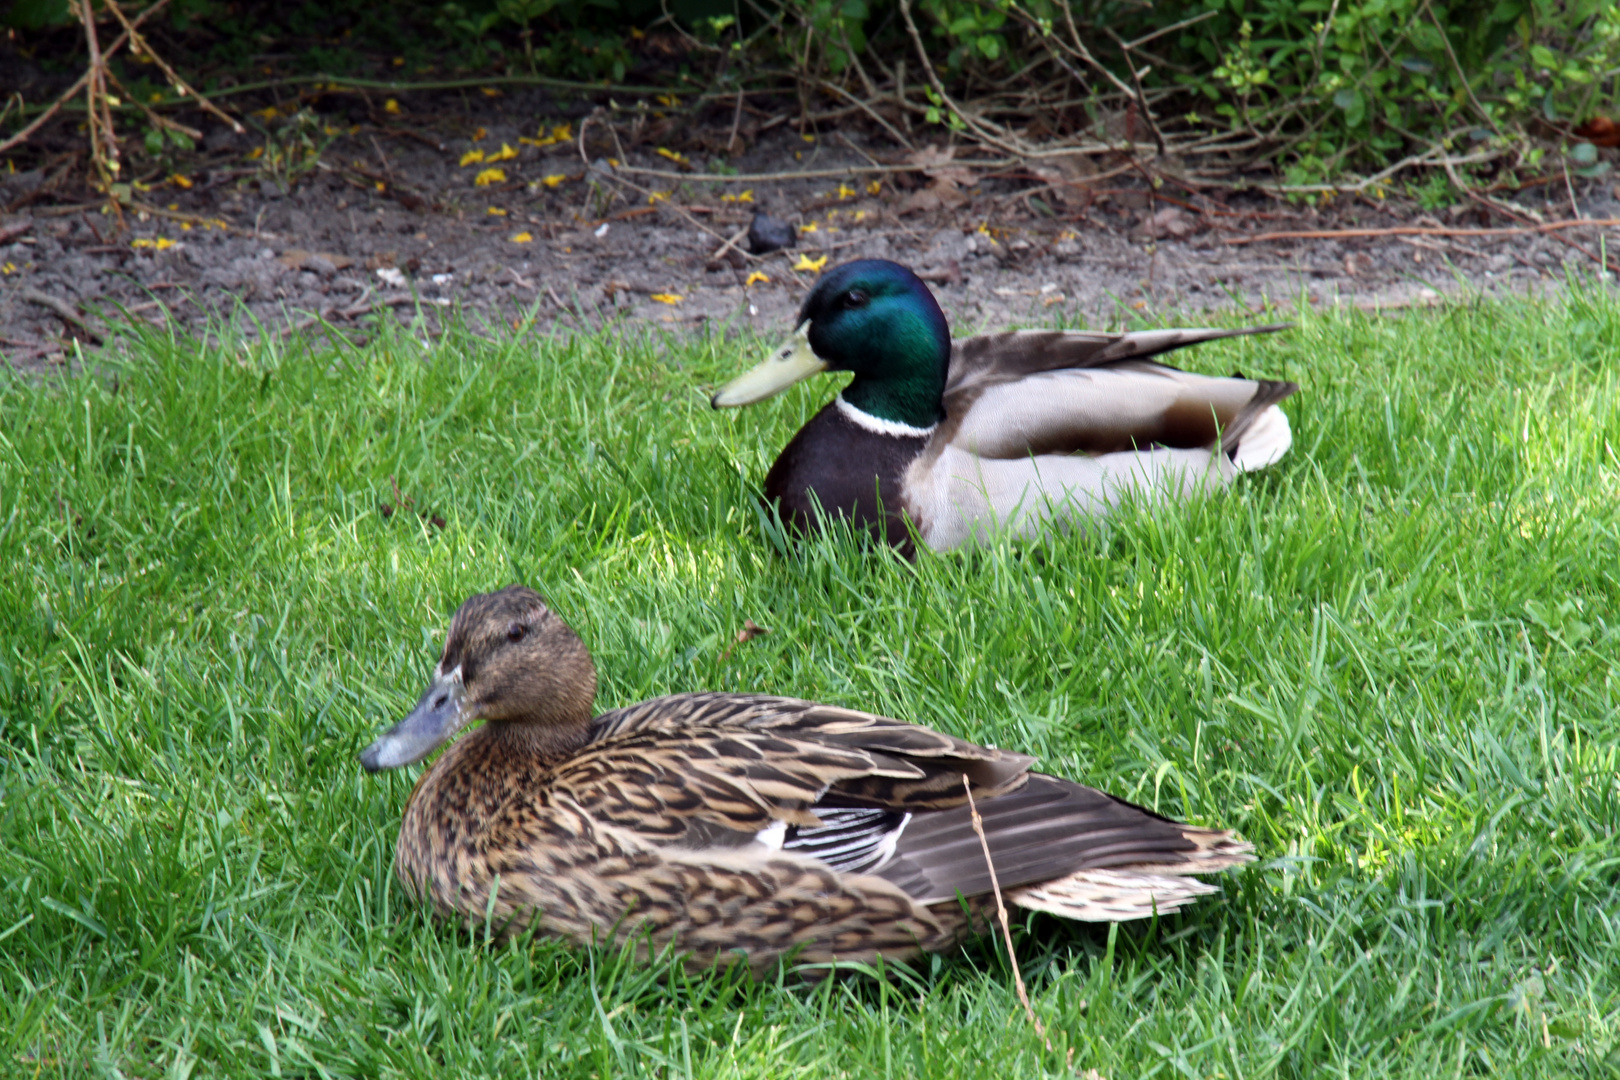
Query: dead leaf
949, 274
1070, 177
1600, 131
935, 163
942, 193
750, 630
299, 259
1169, 222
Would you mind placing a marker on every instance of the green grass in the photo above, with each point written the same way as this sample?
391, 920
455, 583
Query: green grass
1390, 662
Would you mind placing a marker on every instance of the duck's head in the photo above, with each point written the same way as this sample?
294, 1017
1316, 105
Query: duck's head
509, 661
871, 317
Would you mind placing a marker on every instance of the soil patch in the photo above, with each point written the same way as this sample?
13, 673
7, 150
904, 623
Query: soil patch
491, 209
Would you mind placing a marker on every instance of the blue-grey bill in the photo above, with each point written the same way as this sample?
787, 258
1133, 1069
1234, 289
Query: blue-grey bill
436, 718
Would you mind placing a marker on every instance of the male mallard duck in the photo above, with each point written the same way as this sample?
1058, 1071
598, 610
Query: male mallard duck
727, 823
1000, 431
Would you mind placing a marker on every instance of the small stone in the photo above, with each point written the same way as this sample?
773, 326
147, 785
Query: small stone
766, 234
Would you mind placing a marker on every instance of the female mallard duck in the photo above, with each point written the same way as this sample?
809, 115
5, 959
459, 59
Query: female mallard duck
736, 823
1000, 431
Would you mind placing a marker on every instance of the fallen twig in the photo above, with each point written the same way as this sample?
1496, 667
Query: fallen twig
1416, 230
720, 252
71, 92
1001, 913
801, 174
1509, 212
139, 45
63, 310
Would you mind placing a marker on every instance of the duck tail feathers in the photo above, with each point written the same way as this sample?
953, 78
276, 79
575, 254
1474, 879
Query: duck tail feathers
1261, 434
1110, 895
1138, 892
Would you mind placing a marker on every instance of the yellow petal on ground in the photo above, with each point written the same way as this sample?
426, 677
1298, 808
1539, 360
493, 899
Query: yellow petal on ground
809, 226
756, 278
668, 100
489, 91
158, 244
554, 179
808, 138
490, 176
563, 132
524, 140
522, 238
505, 153
471, 157
399, 61
256, 153
807, 263
478, 134
845, 191
874, 187
269, 112
9, 268
380, 186
185, 226
664, 152
496, 211
174, 206
391, 106
667, 298
657, 197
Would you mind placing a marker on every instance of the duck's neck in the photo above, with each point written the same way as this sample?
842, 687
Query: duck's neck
913, 399
545, 744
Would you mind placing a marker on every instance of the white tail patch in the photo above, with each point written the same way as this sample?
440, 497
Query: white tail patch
1265, 442
1110, 895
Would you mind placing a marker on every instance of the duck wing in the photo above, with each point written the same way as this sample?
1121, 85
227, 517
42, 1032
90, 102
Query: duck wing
722, 769
1042, 425
1125, 405
986, 359
1047, 830
864, 794
1079, 391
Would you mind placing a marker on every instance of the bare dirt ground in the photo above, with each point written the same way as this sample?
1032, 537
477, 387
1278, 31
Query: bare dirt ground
345, 209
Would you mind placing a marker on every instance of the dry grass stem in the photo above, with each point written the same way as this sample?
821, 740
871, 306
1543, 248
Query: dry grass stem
1001, 913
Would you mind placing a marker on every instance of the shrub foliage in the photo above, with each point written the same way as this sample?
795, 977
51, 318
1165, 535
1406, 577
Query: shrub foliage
1321, 85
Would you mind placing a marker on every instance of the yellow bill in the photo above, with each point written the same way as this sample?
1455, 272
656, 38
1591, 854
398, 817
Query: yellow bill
793, 362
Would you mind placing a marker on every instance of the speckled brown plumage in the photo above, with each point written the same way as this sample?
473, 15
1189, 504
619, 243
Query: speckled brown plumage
726, 824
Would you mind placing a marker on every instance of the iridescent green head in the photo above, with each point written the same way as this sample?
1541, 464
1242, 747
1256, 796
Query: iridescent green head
876, 319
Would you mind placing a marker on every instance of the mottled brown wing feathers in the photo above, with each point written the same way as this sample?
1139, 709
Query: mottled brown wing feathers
710, 765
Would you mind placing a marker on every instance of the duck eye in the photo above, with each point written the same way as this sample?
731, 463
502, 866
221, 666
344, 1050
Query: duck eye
516, 631
855, 298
